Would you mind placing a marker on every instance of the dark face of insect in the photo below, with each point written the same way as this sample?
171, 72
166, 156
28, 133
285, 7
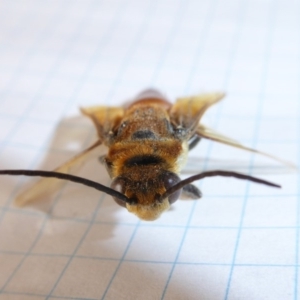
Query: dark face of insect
169, 180
147, 188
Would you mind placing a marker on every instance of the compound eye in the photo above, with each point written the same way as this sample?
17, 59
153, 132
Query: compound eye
169, 180
119, 184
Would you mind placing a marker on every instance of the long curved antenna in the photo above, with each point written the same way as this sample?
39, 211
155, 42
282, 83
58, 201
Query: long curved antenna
68, 177
191, 179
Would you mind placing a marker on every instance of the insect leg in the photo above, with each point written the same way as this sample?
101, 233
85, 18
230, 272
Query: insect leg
190, 191
193, 142
103, 162
102, 159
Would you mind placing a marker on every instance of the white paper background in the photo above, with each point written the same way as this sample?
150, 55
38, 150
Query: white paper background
241, 241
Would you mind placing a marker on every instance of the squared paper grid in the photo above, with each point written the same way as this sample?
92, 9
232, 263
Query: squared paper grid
241, 241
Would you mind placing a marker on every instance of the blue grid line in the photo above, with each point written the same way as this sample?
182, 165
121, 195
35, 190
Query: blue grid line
153, 262
192, 227
146, 21
236, 39
284, 168
253, 55
202, 39
40, 233
79, 220
136, 228
42, 36
65, 297
298, 204
46, 217
201, 45
211, 145
271, 265
179, 14
114, 25
171, 35
77, 246
224, 116
22, 211
42, 295
121, 260
128, 81
129, 53
268, 43
100, 202
143, 63
209, 71
60, 58
71, 256
21, 118
100, 45
9, 278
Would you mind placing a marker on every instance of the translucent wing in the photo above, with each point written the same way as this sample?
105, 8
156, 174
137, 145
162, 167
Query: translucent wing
187, 112
50, 185
106, 119
210, 134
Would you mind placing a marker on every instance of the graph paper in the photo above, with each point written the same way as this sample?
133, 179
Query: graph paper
241, 240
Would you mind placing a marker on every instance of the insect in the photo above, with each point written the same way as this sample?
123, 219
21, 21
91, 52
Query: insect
148, 142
